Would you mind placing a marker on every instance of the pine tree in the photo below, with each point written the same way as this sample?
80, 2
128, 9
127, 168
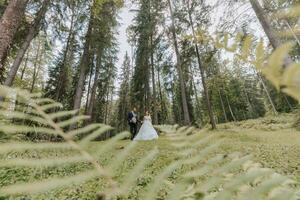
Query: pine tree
124, 105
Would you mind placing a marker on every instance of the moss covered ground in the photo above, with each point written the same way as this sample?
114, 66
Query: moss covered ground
272, 142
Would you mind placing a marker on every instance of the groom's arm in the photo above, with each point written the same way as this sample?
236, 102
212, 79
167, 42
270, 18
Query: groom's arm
129, 116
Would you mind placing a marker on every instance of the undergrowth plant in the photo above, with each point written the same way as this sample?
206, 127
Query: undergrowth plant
198, 172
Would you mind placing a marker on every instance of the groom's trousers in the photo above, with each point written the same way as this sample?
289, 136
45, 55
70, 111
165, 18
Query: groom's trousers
133, 130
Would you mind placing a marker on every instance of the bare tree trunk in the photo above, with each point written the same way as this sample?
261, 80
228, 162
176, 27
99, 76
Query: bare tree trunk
9, 25
3, 64
106, 107
162, 104
32, 33
265, 23
89, 90
85, 60
198, 107
94, 88
230, 109
64, 68
208, 102
223, 106
159, 87
268, 94
249, 102
37, 66
154, 102
25, 65
186, 114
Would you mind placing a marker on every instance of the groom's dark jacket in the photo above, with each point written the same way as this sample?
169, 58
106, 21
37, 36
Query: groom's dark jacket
130, 116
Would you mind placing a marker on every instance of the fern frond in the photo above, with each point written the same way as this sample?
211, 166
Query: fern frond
22, 116
62, 114
73, 120
131, 178
15, 129
43, 162
50, 106
49, 184
20, 147
197, 171
95, 134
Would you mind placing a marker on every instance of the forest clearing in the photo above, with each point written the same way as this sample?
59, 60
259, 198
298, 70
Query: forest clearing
149, 99
272, 142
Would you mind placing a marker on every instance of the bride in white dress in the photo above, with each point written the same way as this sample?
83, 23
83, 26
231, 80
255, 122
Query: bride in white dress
146, 132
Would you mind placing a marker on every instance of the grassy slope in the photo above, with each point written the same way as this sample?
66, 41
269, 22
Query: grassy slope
270, 140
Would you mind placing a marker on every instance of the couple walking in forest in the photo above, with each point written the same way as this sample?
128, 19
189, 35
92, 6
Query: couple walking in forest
146, 131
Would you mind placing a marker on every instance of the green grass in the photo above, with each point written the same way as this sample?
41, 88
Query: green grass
277, 149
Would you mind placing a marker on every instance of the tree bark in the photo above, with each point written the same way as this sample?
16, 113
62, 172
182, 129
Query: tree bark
89, 90
230, 109
9, 25
83, 69
94, 88
25, 66
185, 109
61, 90
154, 102
223, 106
198, 106
32, 33
208, 102
249, 102
265, 23
268, 94
82, 75
106, 107
163, 109
37, 65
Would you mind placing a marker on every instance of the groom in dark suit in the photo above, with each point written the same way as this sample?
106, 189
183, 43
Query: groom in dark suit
132, 121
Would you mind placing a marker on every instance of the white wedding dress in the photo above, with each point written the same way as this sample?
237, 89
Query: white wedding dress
146, 132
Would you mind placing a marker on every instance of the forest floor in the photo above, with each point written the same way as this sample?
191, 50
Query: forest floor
272, 141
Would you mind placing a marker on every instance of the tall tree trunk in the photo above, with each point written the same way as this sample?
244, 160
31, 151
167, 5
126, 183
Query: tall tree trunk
9, 25
66, 59
106, 107
37, 65
163, 109
185, 109
265, 23
32, 33
154, 102
89, 90
95, 85
208, 102
249, 102
223, 106
198, 107
83, 68
268, 94
230, 108
25, 65
3, 63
